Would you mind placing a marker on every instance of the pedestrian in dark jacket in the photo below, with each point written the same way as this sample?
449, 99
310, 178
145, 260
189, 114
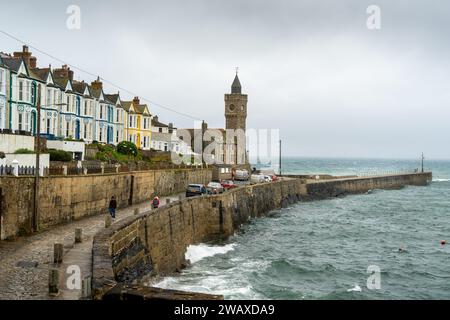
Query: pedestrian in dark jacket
112, 207
155, 203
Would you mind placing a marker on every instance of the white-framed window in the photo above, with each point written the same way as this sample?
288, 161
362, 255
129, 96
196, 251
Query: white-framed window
27, 91
67, 129
26, 126
20, 90
20, 120
2, 81
49, 96
48, 125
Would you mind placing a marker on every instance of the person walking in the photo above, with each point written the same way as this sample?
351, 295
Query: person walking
155, 203
112, 207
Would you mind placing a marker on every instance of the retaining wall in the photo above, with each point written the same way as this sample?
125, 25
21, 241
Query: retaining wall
66, 198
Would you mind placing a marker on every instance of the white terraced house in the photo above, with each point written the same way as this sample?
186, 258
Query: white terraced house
4, 74
70, 109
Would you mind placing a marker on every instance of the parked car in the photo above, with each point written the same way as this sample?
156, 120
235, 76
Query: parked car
215, 188
241, 175
274, 177
195, 190
257, 178
267, 178
228, 184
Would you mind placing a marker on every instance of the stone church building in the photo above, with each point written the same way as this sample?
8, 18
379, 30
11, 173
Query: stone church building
225, 148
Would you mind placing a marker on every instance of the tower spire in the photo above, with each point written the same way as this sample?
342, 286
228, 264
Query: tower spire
236, 86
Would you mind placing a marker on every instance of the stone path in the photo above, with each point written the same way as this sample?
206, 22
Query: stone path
25, 262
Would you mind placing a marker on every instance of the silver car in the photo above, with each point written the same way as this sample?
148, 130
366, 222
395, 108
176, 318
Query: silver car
215, 188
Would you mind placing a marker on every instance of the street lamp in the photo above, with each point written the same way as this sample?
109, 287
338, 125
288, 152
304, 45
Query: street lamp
37, 166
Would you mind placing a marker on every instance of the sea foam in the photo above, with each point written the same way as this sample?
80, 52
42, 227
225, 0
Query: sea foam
196, 253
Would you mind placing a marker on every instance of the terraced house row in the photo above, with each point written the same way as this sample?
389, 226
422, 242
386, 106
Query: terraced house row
69, 109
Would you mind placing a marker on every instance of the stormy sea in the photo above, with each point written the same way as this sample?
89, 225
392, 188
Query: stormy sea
328, 249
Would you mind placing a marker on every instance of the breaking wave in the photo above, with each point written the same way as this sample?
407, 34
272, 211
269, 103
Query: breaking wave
196, 253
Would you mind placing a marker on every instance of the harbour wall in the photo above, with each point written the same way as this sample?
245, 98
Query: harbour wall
154, 243
67, 198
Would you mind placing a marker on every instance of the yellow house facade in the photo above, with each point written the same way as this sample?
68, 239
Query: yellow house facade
138, 123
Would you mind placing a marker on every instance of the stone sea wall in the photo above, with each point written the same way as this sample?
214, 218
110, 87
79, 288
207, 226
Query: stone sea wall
341, 187
155, 242
66, 198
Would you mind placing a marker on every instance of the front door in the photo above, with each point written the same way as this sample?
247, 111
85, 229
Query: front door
77, 129
109, 135
33, 122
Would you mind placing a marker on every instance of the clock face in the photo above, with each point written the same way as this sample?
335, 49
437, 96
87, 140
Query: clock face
232, 107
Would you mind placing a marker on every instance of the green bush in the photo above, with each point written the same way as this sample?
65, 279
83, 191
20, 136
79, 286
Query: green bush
60, 155
128, 148
24, 151
2, 155
103, 156
109, 148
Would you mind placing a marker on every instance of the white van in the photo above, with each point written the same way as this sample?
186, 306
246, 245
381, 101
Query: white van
241, 175
257, 178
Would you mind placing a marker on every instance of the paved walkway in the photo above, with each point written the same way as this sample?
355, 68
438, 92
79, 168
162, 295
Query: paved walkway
25, 262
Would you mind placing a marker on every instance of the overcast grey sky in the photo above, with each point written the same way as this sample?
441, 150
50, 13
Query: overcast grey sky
310, 67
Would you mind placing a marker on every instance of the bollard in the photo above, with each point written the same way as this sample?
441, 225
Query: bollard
78, 235
136, 211
180, 197
167, 201
58, 252
64, 170
107, 221
53, 281
15, 165
86, 288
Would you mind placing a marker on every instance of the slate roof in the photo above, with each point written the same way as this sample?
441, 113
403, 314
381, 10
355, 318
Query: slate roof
126, 105
112, 98
40, 74
12, 63
140, 108
156, 123
236, 86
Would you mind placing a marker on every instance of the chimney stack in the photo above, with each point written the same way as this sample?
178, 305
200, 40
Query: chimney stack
136, 101
33, 62
97, 84
25, 54
64, 72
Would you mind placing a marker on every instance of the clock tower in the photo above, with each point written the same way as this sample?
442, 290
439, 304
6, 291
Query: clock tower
236, 117
236, 107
